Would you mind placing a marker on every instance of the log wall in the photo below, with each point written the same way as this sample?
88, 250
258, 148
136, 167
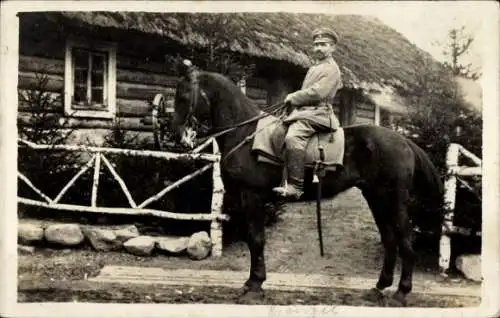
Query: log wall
141, 73
365, 113
138, 78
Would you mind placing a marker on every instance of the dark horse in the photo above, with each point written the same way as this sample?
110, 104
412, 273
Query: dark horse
389, 169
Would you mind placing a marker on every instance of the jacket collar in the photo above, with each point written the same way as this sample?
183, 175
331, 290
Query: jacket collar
329, 60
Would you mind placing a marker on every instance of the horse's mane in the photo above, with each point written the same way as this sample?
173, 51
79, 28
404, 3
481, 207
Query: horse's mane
228, 85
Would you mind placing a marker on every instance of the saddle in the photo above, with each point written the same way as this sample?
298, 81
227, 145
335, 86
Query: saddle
269, 144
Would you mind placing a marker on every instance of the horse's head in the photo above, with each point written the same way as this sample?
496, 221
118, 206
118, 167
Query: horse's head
191, 104
208, 99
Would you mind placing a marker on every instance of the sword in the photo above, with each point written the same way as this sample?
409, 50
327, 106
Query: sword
318, 178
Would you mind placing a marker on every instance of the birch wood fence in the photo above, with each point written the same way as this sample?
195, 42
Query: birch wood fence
98, 159
454, 173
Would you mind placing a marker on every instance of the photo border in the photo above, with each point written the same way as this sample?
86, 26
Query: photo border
8, 149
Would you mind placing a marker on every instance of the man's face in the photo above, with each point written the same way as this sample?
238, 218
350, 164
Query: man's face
323, 49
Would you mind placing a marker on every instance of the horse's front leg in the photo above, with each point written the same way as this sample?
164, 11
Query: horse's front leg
253, 207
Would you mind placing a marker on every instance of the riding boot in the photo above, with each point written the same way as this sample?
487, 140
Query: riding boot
295, 169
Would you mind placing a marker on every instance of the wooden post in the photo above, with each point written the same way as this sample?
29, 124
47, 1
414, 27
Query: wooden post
216, 208
95, 184
348, 108
377, 115
449, 201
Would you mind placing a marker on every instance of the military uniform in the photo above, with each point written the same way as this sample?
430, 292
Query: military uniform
312, 112
314, 101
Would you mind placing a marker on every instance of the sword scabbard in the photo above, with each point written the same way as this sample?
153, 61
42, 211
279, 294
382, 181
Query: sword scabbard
319, 173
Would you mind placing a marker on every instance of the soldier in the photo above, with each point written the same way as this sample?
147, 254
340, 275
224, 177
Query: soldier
312, 109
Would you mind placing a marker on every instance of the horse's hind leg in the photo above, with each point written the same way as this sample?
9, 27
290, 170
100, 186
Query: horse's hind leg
404, 236
253, 208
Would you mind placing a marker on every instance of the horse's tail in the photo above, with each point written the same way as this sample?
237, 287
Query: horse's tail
429, 191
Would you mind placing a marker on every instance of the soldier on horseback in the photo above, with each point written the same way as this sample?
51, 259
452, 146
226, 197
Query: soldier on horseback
312, 109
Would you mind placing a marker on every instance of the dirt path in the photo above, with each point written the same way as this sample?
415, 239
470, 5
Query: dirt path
351, 241
84, 291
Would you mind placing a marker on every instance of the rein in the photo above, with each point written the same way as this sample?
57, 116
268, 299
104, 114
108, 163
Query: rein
225, 129
276, 107
195, 90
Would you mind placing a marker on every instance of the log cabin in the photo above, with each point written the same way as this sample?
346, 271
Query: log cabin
106, 67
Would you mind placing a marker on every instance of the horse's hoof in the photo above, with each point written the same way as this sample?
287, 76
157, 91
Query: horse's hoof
375, 295
250, 297
397, 300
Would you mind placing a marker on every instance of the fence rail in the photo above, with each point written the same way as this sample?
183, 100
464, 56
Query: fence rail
454, 173
215, 216
128, 152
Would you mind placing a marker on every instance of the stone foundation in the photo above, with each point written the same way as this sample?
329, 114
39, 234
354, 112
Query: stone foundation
33, 233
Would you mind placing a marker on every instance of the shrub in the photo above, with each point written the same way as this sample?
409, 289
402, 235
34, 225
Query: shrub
439, 117
44, 124
437, 110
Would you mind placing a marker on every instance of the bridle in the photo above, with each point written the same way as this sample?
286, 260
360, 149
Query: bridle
196, 90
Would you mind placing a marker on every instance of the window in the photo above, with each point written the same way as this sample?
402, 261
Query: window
90, 79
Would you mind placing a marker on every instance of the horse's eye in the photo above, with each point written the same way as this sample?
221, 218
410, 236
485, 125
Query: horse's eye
186, 97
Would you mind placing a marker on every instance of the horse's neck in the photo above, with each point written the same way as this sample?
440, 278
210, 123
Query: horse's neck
232, 109
234, 137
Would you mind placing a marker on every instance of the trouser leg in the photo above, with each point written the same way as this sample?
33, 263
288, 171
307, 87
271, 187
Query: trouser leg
296, 141
298, 135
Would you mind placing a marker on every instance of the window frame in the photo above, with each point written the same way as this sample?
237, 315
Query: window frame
109, 84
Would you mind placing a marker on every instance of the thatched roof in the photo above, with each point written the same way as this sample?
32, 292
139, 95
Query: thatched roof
369, 52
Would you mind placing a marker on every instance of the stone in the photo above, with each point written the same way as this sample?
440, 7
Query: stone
24, 249
125, 234
64, 234
470, 266
173, 245
199, 245
102, 239
142, 245
28, 233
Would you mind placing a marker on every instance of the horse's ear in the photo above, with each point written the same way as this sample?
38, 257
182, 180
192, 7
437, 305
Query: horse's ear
185, 67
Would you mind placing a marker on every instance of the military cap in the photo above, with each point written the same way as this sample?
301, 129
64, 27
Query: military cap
322, 34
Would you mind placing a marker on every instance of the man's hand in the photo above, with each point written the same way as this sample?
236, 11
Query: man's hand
288, 104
